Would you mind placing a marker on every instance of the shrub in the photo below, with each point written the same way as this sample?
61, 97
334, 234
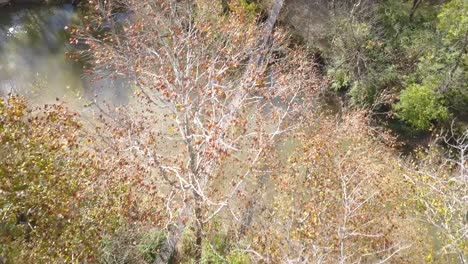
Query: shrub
393, 43
150, 244
419, 105
131, 245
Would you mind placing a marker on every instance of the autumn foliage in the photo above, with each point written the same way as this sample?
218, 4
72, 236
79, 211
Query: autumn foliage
223, 155
48, 183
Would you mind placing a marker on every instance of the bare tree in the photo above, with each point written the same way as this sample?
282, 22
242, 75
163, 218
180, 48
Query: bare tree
441, 180
210, 100
328, 201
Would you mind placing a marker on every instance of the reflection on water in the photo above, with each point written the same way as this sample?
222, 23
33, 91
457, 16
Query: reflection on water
33, 63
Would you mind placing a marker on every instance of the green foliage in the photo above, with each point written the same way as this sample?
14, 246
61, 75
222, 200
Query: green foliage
419, 105
362, 93
453, 21
339, 77
120, 247
217, 250
445, 64
131, 245
383, 52
187, 248
250, 7
359, 60
238, 258
150, 244
216, 246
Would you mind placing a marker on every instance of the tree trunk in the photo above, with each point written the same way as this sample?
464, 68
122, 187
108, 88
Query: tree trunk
175, 233
416, 4
198, 229
225, 5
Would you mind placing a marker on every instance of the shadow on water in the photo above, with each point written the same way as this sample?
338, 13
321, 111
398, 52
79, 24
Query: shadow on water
33, 61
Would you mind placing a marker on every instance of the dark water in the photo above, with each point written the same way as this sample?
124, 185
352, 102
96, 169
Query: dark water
33, 61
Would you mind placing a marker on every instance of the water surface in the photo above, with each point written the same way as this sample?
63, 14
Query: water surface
33, 60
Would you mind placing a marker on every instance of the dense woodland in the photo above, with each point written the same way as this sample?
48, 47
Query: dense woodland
301, 131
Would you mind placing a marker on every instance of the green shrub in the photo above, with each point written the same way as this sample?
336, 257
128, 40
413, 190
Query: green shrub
339, 78
150, 244
419, 105
130, 245
453, 21
215, 249
119, 248
238, 258
250, 7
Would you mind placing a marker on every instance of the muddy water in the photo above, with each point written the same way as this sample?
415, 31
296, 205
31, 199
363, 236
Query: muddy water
33, 61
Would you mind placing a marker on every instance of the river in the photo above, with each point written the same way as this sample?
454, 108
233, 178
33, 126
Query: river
33, 60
